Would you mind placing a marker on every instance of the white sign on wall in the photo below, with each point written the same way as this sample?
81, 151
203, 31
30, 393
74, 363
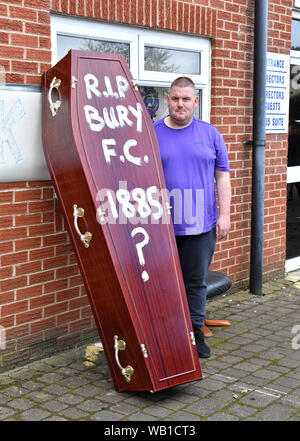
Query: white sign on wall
21, 149
277, 93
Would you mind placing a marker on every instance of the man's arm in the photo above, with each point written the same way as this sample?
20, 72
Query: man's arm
224, 197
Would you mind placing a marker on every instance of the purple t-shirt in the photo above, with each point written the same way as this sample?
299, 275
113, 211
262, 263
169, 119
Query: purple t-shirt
189, 158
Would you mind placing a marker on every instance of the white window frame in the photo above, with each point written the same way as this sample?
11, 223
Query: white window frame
177, 42
74, 27
137, 37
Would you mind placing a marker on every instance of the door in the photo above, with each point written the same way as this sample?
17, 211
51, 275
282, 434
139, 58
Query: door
293, 172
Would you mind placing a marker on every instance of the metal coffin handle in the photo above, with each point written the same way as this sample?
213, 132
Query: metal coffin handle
127, 372
54, 106
86, 237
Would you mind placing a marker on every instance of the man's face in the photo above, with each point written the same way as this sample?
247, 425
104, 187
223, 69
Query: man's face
182, 102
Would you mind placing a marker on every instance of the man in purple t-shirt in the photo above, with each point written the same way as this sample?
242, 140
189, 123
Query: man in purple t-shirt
194, 157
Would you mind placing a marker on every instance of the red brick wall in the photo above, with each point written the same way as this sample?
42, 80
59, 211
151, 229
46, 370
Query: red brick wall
42, 298
41, 293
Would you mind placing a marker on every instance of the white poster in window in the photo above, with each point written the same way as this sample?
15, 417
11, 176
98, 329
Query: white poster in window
277, 93
21, 149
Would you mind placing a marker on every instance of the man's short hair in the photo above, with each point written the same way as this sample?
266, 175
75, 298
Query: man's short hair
183, 82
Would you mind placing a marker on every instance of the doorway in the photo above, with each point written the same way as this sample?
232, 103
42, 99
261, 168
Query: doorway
293, 173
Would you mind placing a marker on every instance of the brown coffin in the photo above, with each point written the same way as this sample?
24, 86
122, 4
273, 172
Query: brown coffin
102, 153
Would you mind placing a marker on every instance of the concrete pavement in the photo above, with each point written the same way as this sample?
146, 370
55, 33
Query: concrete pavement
253, 374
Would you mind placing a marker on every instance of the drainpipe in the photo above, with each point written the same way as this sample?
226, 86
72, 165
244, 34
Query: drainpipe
259, 144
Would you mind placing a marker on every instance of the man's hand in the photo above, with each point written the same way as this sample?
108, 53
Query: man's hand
223, 227
224, 196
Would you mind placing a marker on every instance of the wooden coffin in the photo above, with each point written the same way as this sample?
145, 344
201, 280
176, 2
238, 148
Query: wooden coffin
103, 157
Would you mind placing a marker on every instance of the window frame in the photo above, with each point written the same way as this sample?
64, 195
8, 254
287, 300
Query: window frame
83, 28
177, 42
137, 38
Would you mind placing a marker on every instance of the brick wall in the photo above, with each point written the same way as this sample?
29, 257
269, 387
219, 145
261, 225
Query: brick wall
42, 298
43, 305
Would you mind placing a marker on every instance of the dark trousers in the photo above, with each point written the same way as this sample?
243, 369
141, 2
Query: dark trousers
195, 254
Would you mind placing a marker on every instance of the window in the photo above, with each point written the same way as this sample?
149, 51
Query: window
160, 59
295, 40
295, 36
155, 58
65, 43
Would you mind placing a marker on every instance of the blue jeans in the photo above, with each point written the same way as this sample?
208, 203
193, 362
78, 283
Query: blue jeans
195, 254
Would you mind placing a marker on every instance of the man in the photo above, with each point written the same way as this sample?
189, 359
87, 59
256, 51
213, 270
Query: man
194, 157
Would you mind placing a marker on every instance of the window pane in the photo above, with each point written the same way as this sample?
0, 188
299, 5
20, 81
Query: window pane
155, 99
295, 35
171, 60
65, 43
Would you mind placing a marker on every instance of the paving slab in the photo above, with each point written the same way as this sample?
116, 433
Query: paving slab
253, 374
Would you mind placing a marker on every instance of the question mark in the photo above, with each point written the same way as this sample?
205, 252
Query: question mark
139, 248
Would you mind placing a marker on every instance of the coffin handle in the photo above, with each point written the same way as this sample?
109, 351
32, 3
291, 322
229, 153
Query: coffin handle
86, 237
127, 372
54, 106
